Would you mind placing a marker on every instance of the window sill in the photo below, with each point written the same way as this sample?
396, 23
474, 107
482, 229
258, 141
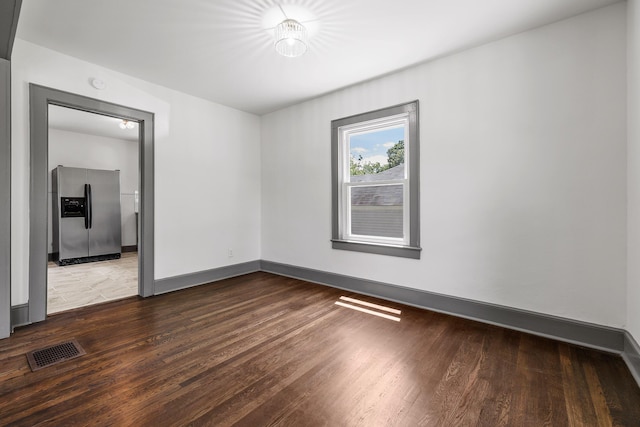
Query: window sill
377, 248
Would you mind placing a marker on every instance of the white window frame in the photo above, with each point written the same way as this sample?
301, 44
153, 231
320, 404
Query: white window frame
344, 177
405, 115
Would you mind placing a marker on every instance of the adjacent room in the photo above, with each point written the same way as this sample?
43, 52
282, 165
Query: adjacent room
105, 148
316, 212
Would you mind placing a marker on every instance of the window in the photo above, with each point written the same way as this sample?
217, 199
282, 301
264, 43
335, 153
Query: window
375, 177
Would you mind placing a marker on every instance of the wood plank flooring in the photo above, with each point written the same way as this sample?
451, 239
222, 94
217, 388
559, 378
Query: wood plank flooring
263, 350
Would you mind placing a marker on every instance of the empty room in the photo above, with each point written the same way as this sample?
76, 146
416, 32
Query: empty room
320, 212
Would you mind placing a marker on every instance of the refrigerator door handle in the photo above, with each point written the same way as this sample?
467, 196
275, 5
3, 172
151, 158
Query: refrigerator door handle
90, 205
86, 206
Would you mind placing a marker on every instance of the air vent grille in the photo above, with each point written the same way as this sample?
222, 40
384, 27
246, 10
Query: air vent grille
55, 354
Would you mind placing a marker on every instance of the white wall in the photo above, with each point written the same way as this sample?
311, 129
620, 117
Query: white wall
82, 150
523, 173
633, 156
207, 157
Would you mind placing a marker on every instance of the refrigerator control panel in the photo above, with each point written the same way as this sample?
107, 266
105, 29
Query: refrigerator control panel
72, 207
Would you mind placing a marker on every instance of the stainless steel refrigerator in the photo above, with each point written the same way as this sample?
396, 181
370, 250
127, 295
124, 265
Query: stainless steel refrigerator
86, 215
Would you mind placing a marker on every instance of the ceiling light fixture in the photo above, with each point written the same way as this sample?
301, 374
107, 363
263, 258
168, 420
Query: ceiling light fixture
291, 38
126, 124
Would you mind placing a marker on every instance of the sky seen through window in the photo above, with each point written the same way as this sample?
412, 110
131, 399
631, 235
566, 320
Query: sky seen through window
373, 146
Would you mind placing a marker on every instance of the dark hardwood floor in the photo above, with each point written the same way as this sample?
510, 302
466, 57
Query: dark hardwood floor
267, 350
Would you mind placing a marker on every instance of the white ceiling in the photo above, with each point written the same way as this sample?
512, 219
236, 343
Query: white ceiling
222, 50
89, 123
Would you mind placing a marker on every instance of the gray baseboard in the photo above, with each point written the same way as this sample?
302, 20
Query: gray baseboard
19, 315
572, 331
631, 355
175, 283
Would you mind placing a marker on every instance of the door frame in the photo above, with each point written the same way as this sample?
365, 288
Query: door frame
5, 195
8, 9
40, 97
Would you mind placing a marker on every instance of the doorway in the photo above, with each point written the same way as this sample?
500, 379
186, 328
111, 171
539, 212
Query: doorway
41, 98
97, 263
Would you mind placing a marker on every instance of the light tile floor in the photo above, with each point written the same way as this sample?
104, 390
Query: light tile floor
74, 286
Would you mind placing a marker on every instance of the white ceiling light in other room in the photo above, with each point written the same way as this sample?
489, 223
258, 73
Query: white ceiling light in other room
126, 124
291, 38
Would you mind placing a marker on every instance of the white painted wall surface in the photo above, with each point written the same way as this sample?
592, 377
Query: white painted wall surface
82, 150
633, 157
523, 173
207, 166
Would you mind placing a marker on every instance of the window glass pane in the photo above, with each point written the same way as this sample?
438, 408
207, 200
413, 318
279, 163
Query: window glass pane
375, 154
377, 210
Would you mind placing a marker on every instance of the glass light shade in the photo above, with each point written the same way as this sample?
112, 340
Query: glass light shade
126, 124
291, 38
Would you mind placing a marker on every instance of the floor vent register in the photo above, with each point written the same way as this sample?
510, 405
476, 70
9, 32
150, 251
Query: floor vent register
55, 354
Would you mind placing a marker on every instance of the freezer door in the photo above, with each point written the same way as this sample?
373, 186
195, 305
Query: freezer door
104, 220
73, 236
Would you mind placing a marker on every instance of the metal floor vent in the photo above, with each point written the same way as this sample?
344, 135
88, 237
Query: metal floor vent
48, 356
